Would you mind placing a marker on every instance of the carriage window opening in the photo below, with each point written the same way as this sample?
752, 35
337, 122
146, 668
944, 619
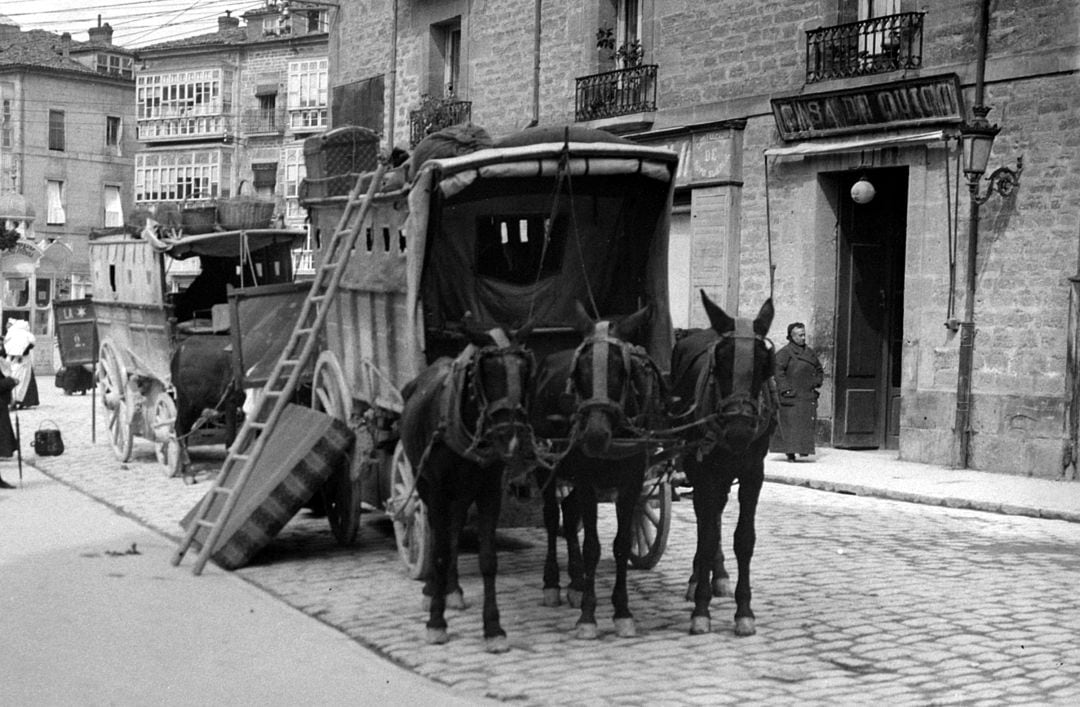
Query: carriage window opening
510, 248
370, 236
401, 241
258, 270
386, 239
112, 278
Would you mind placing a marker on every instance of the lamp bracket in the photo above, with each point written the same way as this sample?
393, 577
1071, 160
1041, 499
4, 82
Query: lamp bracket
1002, 180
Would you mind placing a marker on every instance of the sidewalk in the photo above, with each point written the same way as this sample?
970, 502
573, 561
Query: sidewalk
882, 474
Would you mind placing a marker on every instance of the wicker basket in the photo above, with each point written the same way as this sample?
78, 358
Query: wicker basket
243, 212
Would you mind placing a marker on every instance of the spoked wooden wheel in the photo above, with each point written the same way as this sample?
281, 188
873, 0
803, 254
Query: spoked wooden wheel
341, 492
166, 444
112, 382
411, 528
652, 520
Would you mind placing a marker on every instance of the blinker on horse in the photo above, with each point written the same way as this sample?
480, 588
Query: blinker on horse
464, 419
615, 390
726, 371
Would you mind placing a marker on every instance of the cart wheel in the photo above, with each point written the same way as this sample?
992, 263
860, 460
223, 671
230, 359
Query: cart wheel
112, 380
411, 529
166, 445
652, 521
341, 492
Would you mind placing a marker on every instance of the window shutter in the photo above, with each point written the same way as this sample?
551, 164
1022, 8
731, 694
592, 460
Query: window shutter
359, 103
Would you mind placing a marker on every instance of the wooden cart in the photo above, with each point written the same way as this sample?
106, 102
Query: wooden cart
466, 233
138, 329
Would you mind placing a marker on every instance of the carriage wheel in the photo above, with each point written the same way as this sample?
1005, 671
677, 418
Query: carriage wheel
411, 528
341, 492
166, 444
652, 520
112, 380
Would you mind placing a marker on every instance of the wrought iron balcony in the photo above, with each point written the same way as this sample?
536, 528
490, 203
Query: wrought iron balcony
874, 46
263, 120
435, 114
615, 93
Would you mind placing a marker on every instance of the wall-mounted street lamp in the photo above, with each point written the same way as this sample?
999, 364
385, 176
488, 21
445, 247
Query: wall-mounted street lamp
977, 140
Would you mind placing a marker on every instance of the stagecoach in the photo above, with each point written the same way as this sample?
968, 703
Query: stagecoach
507, 231
141, 324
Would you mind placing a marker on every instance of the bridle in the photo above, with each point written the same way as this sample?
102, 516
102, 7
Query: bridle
586, 402
741, 403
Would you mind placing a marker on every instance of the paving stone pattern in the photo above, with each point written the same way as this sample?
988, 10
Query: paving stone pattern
859, 600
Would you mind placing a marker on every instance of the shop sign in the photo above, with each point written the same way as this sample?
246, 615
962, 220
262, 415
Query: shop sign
930, 100
24, 247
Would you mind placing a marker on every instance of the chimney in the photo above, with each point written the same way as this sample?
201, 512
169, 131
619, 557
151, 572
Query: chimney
227, 21
65, 45
102, 34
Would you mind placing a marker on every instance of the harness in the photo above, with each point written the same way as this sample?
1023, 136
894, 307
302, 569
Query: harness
740, 404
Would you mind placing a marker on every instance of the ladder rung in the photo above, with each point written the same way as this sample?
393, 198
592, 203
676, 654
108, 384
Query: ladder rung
205, 523
226, 490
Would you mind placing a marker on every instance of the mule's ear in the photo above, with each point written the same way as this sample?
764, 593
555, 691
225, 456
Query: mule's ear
718, 319
628, 328
583, 323
764, 318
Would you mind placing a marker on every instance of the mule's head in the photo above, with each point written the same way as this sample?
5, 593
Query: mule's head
606, 378
499, 376
741, 365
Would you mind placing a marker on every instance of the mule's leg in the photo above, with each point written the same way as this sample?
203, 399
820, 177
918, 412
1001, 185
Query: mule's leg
488, 502
551, 525
745, 536
455, 597
705, 510
575, 563
586, 497
438, 503
628, 494
721, 580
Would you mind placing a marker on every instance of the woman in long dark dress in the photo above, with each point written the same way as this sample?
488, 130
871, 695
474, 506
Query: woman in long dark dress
7, 434
798, 376
18, 343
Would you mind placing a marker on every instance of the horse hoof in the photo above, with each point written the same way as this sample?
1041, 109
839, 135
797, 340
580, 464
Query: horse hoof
586, 632
496, 644
690, 589
721, 587
700, 625
744, 626
625, 628
573, 598
551, 597
456, 600
437, 636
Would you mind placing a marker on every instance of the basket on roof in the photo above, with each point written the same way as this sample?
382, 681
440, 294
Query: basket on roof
242, 212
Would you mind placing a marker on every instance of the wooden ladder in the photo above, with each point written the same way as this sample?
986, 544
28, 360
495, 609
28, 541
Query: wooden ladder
247, 448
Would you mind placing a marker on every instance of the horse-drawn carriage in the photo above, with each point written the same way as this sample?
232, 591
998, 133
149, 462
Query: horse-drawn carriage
164, 368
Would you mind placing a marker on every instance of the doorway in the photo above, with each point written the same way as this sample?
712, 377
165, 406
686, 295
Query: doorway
871, 241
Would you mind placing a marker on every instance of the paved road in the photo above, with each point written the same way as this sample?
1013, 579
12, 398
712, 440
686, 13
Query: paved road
858, 600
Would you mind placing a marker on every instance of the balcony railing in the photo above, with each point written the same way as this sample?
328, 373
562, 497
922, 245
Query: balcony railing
263, 120
436, 114
615, 93
874, 46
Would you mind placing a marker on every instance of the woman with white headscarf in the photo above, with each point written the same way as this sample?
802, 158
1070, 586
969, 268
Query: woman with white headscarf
18, 342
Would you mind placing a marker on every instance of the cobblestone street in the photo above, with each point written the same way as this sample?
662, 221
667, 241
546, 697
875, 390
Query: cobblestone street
858, 600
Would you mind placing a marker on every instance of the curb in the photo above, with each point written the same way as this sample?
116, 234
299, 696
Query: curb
925, 499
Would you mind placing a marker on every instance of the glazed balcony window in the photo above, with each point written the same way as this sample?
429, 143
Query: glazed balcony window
183, 104
873, 46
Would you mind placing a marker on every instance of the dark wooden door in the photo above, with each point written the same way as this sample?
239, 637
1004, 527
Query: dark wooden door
869, 332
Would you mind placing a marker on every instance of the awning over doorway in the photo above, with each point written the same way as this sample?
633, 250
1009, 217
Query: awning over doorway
856, 144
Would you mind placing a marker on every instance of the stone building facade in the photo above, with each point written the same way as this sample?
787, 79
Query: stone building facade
777, 109
67, 137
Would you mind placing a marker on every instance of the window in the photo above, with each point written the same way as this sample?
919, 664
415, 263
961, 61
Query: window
112, 131
307, 99
56, 130
54, 193
317, 21
510, 247
114, 65
295, 171
874, 41
5, 123
179, 94
628, 29
447, 44
177, 176
114, 211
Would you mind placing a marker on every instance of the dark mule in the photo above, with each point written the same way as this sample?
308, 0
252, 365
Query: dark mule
463, 420
616, 394
206, 392
725, 375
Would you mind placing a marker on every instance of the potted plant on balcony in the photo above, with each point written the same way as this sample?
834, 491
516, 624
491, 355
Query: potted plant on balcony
627, 88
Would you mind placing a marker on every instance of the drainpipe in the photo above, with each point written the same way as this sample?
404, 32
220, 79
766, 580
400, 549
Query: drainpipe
536, 67
393, 72
962, 430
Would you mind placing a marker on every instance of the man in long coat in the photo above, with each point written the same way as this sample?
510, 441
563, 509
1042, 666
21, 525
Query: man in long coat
798, 376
